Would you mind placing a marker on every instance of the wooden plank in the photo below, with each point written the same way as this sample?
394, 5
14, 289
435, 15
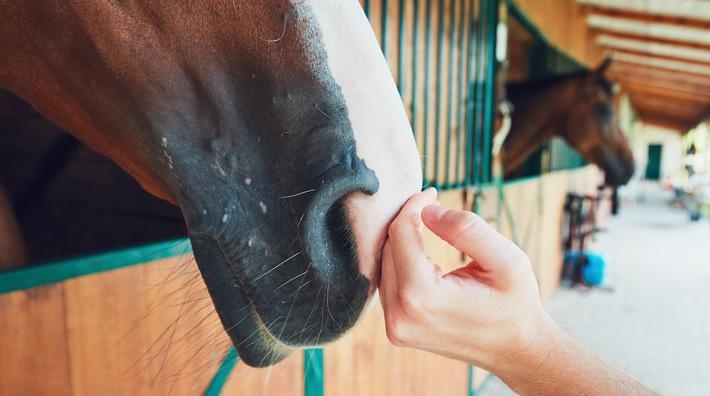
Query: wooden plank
650, 39
661, 77
34, 355
669, 114
649, 117
646, 17
653, 54
659, 63
564, 22
674, 93
663, 72
148, 329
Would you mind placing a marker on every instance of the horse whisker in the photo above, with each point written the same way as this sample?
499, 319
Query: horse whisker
298, 194
275, 267
291, 280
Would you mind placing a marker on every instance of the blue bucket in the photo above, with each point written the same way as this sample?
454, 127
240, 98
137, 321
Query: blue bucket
594, 270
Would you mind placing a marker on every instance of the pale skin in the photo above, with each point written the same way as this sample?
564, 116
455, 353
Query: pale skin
487, 313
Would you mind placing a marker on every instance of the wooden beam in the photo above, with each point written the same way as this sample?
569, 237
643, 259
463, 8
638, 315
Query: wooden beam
679, 129
667, 108
665, 76
669, 91
658, 32
646, 46
675, 113
660, 40
657, 63
656, 55
646, 17
679, 126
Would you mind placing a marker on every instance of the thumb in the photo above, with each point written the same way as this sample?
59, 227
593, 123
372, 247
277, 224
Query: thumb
500, 258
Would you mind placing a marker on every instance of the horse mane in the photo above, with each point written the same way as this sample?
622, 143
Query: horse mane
538, 84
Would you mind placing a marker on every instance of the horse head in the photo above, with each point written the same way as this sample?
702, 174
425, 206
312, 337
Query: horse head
593, 130
274, 125
577, 107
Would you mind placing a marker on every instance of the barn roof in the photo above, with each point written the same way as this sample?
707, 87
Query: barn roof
662, 55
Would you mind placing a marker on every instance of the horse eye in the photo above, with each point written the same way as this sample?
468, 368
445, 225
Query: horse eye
604, 112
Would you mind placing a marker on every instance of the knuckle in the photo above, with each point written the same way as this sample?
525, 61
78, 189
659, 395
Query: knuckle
466, 223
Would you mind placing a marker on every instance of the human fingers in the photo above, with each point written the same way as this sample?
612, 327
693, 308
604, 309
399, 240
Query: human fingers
411, 265
497, 259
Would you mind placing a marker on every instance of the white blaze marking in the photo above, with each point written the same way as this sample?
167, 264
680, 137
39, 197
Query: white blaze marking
165, 152
262, 206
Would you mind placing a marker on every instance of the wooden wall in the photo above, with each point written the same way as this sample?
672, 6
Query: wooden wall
564, 23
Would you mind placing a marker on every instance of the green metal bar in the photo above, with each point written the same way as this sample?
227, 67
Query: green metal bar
471, 97
450, 115
366, 7
439, 77
400, 60
460, 99
427, 70
313, 372
225, 370
415, 65
490, 99
383, 24
45, 274
480, 90
471, 387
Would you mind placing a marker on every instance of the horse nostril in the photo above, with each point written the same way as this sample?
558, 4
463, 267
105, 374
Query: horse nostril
325, 231
338, 230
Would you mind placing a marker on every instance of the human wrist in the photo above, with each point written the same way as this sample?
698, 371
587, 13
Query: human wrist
527, 348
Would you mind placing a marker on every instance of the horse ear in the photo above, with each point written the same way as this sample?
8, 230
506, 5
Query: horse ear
604, 66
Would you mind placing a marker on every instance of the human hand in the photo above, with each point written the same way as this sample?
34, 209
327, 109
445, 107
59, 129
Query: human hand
482, 313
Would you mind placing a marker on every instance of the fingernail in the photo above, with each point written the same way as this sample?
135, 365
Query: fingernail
433, 213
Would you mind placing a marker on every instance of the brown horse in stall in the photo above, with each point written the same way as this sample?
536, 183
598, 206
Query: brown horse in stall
577, 107
256, 119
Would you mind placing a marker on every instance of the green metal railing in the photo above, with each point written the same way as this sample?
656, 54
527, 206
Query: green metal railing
453, 54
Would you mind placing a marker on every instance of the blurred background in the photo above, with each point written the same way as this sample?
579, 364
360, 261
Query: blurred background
579, 128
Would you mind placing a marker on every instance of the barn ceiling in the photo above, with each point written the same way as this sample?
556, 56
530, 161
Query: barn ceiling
661, 50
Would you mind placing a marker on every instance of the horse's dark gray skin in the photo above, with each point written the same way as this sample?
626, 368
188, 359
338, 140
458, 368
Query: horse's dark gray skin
274, 125
579, 108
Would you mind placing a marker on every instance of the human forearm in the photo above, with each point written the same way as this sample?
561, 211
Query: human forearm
556, 364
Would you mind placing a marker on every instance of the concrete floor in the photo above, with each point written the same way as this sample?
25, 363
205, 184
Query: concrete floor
655, 322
